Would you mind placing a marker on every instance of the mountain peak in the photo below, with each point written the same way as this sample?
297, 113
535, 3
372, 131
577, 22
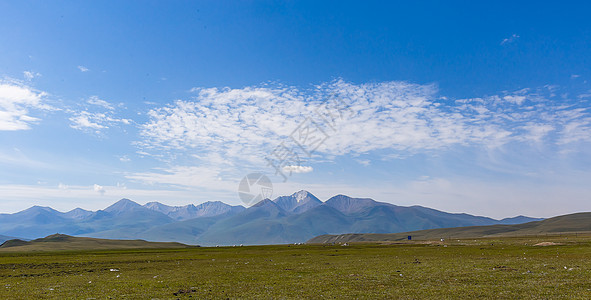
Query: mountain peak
123, 205
78, 213
190, 211
301, 195
264, 202
77, 209
38, 209
347, 205
298, 202
157, 206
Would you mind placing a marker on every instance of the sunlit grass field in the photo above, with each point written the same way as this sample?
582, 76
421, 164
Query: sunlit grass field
491, 268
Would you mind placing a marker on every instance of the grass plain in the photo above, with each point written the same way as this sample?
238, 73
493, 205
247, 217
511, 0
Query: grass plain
506, 268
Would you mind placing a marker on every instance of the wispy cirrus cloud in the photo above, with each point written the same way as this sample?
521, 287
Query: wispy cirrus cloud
245, 125
17, 100
510, 39
297, 169
234, 123
86, 120
205, 177
30, 75
95, 100
99, 115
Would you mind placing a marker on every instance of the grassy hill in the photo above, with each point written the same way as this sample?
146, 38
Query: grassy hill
579, 222
58, 242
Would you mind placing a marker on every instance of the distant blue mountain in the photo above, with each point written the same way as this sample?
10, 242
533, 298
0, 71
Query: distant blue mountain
187, 212
123, 220
518, 220
78, 214
270, 222
35, 222
298, 217
287, 219
298, 202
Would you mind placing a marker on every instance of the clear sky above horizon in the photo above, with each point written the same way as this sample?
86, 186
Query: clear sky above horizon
465, 106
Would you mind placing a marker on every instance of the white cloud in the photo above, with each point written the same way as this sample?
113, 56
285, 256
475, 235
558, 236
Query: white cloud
99, 189
245, 126
93, 119
236, 123
29, 75
365, 162
83, 69
297, 169
585, 95
86, 120
510, 39
15, 102
95, 100
536, 132
516, 99
576, 131
209, 177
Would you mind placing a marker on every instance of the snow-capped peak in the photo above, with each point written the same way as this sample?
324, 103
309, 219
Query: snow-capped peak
301, 195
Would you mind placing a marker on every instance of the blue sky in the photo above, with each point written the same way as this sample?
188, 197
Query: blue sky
464, 107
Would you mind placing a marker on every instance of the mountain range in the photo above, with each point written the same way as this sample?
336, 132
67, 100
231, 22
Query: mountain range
286, 219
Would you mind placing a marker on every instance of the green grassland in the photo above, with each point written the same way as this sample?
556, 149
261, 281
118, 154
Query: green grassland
506, 268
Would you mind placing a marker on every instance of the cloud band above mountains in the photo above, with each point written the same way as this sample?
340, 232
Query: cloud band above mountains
245, 125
